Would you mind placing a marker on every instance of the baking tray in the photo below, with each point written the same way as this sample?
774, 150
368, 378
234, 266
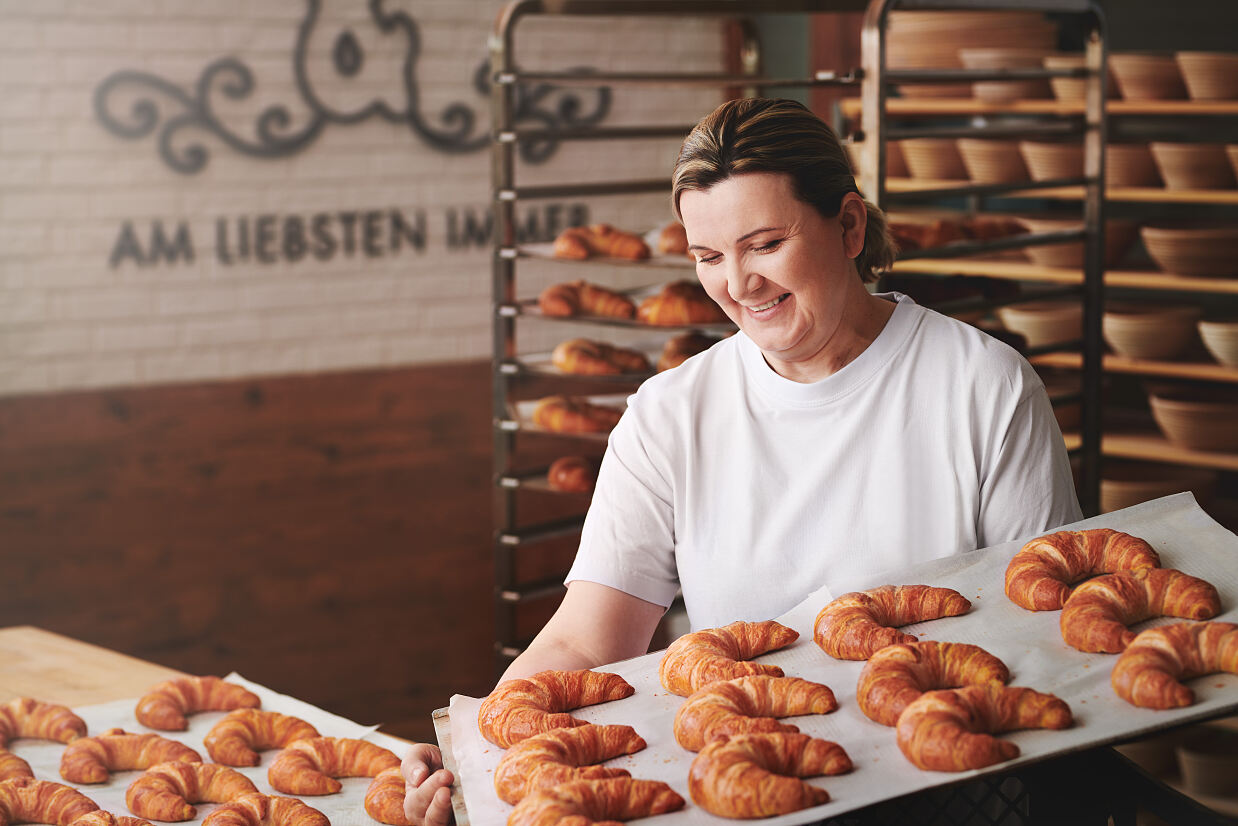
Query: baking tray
1028, 642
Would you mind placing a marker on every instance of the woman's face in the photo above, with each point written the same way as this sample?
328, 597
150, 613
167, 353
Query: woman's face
782, 272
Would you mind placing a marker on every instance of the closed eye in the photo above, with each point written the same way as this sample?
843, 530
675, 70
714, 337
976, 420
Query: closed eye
771, 246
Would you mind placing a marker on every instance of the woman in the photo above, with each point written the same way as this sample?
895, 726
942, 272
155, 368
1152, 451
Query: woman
840, 433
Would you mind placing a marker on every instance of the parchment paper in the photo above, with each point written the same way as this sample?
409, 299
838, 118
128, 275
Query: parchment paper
344, 808
1030, 643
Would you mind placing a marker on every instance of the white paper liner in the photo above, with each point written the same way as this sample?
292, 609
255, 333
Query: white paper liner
344, 808
1030, 643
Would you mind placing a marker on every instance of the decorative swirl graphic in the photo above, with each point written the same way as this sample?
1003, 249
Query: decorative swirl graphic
457, 130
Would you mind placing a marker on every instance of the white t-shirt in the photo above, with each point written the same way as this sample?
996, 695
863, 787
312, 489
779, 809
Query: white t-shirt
750, 491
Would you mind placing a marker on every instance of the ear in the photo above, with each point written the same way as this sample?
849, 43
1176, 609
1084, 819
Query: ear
854, 219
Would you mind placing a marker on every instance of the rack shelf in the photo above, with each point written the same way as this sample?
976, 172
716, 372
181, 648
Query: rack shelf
1125, 194
1152, 446
938, 107
1193, 370
1020, 271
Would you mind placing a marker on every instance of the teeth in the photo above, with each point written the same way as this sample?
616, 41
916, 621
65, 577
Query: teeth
769, 304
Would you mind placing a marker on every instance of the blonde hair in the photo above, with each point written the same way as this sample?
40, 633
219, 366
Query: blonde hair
781, 136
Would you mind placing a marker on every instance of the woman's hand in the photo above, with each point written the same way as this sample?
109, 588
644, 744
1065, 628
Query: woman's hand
427, 795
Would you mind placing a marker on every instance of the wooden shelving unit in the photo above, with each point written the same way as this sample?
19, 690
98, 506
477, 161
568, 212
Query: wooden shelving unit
1022, 271
1124, 194
1190, 370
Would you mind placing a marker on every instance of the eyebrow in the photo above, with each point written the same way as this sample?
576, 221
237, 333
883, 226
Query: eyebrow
738, 240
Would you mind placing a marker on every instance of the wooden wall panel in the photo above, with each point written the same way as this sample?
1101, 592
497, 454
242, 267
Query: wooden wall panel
328, 535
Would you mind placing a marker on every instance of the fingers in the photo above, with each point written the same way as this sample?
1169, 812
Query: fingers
427, 801
421, 759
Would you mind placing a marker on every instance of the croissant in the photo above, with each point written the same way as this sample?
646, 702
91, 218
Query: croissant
897, 674
585, 357
519, 709
572, 474
561, 755
680, 303
265, 810
952, 730
582, 802
13, 766
680, 348
1039, 577
673, 239
748, 704
702, 657
101, 818
310, 766
164, 707
564, 414
384, 799
26, 800
756, 775
233, 740
579, 243
575, 298
1097, 612
90, 759
26, 717
1150, 671
165, 790
857, 624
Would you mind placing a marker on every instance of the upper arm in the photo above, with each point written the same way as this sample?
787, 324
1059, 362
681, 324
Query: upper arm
594, 625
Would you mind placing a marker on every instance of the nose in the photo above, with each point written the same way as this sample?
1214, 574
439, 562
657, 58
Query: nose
741, 281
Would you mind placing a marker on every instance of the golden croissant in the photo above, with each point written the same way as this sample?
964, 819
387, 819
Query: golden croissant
575, 298
1097, 613
581, 802
166, 790
579, 243
560, 755
569, 414
897, 674
678, 304
265, 810
518, 709
310, 766
702, 657
384, 799
1149, 673
857, 624
27, 717
165, 705
101, 818
757, 775
91, 759
586, 357
235, 739
748, 704
13, 766
1040, 576
952, 730
26, 800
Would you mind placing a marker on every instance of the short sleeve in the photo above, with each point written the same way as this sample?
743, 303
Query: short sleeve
628, 540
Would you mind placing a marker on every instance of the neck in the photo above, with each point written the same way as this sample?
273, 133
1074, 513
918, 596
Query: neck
859, 327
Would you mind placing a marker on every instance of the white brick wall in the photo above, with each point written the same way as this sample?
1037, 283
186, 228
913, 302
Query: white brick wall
68, 320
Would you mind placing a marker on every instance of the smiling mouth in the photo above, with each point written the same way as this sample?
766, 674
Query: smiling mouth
767, 305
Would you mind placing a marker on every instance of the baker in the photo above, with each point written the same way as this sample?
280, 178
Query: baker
839, 433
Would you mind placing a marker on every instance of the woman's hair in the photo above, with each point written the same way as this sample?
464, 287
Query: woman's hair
774, 135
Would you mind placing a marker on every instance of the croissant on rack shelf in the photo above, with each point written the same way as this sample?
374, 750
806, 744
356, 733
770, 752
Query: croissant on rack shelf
26, 800
569, 414
235, 739
310, 766
574, 298
27, 717
1149, 673
599, 240
165, 705
747, 705
572, 474
673, 239
952, 730
1097, 613
897, 674
266, 810
90, 759
702, 657
595, 801
561, 755
166, 790
857, 624
586, 357
756, 775
680, 303
384, 799
1040, 576
519, 709
917, 235
680, 348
